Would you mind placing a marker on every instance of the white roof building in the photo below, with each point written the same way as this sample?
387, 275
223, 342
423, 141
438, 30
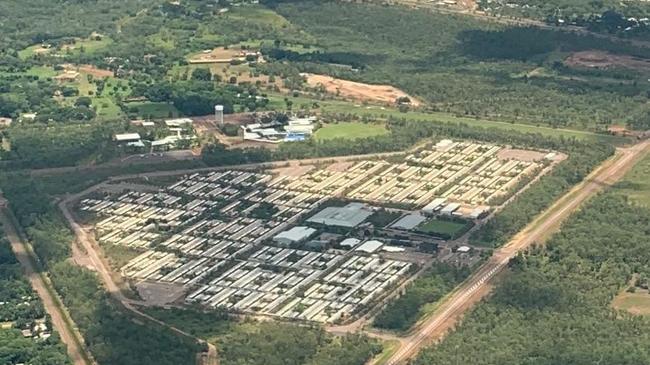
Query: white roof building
444, 145
450, 209
394, 249
370, 246
294, 235
178, 122
350, 215
350, 242
127, 137
434, 205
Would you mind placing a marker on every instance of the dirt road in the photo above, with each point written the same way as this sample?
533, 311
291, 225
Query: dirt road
476, 287
88, 243
69, 336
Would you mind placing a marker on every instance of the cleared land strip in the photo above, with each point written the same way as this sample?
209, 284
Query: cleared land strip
475, 288
60, 319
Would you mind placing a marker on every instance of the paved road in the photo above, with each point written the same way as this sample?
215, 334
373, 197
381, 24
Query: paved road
88, 243
70, 337
476, 287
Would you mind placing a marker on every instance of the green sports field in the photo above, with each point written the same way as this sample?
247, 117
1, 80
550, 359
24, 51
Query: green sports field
442, 227
350, 131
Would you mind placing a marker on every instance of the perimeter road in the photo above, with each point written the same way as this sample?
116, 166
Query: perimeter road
476, 287
60, 319
113, 289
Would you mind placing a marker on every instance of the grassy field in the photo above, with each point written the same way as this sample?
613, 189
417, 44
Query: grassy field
390, 347
444, 227
152, 110
88, 46
259, 15
636, 184
276, 101
40, 71
118, 256
106, 108
349, 131
637, 303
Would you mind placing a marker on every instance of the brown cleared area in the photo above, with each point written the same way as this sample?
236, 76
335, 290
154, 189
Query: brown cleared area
358, 91
88, 69
218, 55
604, 60
521, 155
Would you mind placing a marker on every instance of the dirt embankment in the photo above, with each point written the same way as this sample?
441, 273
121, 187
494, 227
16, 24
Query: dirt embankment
604, 60
358, 91
89, 70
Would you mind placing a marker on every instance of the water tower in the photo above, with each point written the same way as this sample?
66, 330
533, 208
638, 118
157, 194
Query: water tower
218, 114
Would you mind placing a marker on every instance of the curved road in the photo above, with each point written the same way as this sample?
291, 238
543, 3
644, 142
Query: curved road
113, 289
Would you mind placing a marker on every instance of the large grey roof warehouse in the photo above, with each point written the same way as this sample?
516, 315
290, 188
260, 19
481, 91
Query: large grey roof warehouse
350, 215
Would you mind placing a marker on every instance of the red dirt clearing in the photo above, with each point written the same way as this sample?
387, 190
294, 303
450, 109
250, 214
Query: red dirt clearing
385, 94
599, 59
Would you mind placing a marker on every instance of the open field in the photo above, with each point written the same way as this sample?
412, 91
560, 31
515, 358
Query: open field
218, 55
637, 303
349, 131
88, 45
440, 226
358, 91
333, 106
604, 60
153, 110
448, 118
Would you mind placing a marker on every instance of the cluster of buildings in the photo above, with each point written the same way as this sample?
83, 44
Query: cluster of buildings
269, 243
230, 239
30, 327
177, 130
295, 129
452, 177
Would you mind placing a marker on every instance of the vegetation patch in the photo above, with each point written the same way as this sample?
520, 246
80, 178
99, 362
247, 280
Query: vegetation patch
401, 313
534, 310
277, 343
636, 184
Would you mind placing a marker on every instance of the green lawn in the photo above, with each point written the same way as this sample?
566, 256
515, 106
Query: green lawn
349, 131
260, 15
106, 108
28, 52
91, 45
276, 102
390, 347
442, 227
636, 184
152, 110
